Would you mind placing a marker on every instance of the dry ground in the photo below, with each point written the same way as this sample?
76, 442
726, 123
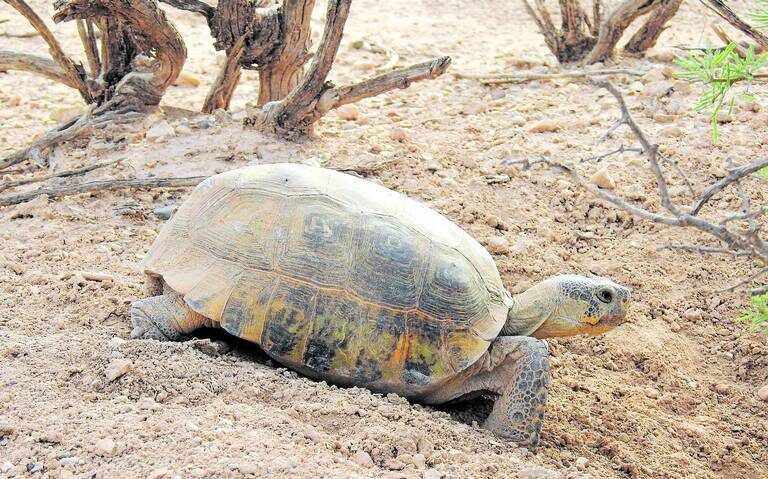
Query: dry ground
672, 394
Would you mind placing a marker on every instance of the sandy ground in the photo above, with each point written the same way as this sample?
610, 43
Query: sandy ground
671, 394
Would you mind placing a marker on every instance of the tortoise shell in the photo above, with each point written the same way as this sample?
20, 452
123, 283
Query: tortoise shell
333, 276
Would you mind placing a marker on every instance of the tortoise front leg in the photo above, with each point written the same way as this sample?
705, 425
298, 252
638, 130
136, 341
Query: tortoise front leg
165, 317
517, 369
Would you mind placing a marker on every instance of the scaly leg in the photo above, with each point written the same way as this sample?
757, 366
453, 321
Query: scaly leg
517, 369
165, 317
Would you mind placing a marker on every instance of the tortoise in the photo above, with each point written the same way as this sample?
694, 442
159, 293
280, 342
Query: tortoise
344, 280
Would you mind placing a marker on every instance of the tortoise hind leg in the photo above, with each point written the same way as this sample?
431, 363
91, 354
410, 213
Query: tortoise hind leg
517, 369
165, 317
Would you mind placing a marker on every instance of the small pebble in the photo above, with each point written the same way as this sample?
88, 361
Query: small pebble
651, 393
603, 179
347, 112
159, 131
5, 467
581, 462
723, 388
517, 120
545, 126
671, 132
762, 393
183, 130
117, 368
473, 108
96, 276
536, 472
165, 212
197, 472
65, 474
105, 447
363, 459
498, 245
398, 134
692, 315
431, 474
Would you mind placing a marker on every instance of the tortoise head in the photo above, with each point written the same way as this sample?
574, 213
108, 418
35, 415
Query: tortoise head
568, 305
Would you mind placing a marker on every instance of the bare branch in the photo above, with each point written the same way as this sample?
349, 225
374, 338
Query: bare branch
223, 87
72, 71
744, 281
401, 78
735, 174
614, 25
647, 35
491, 79
725, 12
88, 38
62, 174
34, 64
101, 185
195, 6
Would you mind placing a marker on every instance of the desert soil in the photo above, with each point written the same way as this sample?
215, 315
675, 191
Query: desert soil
670, 394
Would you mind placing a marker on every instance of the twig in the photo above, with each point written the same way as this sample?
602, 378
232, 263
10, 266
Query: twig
744, 281
19, 35
61, 174
492, 79
725, 12
377, 85
101, 185
392, 56
733, 175
694, 248
34, 64
64, 132
223, 87
71, 70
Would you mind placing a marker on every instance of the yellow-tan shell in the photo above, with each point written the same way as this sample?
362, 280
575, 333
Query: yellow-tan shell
333, 275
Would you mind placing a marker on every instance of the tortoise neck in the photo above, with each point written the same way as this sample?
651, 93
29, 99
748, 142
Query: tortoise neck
529, 310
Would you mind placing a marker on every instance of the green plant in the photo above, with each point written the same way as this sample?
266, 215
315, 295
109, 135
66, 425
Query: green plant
758, 315
719, 71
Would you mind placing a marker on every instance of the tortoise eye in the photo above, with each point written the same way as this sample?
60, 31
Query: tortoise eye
605, 295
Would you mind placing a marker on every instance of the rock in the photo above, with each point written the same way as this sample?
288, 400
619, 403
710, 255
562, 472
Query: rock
517, 120
431, 474
651, 393
398, 134
498, 244
197, 472
419, 460
692, 315
97, 276
204, 122
65, 113
183, 130
473, 108
394, 464
363, 459
117, 368
159, 131
762, 393
581, 462
165, 212
347, 112
722, 388
65, 474
636, 86
603, 179
537, 472
5, 467
671, 132
186, 79
664, 118
105, 447
724, 117
545, 126
159, 474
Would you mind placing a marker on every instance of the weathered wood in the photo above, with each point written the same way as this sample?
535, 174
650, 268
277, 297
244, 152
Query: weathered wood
647, 35
614, 26
73, 71
725, 12
34, 64
101, 185
152, 34
223, 87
